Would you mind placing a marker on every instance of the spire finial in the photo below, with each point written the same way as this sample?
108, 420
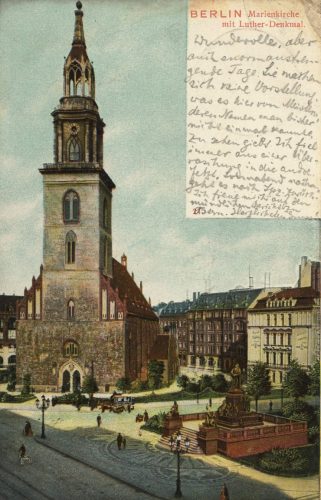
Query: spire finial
79, 37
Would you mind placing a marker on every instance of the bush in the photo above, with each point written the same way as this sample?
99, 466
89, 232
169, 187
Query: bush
155, 423
205, 382
139, 385
314, 434
219, 383
123, 384
75, 398
283, 460
10, 398
182, 381
193, 387
299, 410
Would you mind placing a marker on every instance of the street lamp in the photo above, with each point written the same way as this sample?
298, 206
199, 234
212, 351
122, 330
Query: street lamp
178, 451
43, 405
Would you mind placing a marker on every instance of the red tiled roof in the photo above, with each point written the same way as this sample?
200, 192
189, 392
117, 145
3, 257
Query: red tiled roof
127, 289
159, 349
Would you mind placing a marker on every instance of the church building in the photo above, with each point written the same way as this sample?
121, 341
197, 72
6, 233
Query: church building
84, 313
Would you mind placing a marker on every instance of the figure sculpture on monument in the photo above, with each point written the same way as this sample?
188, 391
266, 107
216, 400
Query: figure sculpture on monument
236, 376
174, 410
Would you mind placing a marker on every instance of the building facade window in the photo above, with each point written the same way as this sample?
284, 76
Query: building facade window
71, 349
12, 360
290, 319
70, 247
71, 309
71, 207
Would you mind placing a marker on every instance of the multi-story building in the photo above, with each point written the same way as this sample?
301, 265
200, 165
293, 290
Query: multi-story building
286, 325
217, 330
173, 319
8, 330
84, 312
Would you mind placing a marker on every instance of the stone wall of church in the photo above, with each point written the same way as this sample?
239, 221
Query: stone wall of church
81, 287
40, 351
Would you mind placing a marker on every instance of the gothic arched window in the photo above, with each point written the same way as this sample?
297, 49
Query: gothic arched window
71, 207
70, 248
75, 78
71, 309
105, 214
105, 253
74, 149
71, 348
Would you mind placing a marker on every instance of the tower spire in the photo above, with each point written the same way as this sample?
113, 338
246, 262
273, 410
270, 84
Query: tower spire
79, 36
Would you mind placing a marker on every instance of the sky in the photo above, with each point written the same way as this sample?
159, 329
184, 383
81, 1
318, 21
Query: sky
138, 48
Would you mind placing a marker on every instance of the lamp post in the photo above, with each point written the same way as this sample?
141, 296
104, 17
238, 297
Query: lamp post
43, 405
178, 451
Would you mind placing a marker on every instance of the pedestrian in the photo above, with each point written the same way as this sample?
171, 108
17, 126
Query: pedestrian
129, 408
171, 442
178, 439
206, 407
197, 398
270, 405
187, 443
119, 440
124, 442
210, 402
22, 451
224, 495
146, 417
98, 420
28, 431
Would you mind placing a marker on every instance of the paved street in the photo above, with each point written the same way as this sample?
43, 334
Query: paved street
85, 461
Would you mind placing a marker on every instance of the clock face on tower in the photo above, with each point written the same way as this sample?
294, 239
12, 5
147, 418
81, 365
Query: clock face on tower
74, 128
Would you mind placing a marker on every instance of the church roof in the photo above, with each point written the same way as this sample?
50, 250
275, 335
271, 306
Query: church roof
136, 303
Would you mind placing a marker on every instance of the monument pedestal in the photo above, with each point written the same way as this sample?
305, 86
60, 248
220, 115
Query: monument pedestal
207, 438
172, 424
234, 411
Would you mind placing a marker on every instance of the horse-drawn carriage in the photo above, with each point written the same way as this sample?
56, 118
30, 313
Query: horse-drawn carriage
117, 403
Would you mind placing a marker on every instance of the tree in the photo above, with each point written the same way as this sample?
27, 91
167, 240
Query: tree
182, 381
155, 374
89, 385
11, 374
258, 381
26, 387
297, 381
314, 387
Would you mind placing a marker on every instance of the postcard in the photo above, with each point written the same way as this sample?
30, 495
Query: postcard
160, 249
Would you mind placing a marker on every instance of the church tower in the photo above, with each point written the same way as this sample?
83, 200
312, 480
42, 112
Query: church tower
84, 314
77, 195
